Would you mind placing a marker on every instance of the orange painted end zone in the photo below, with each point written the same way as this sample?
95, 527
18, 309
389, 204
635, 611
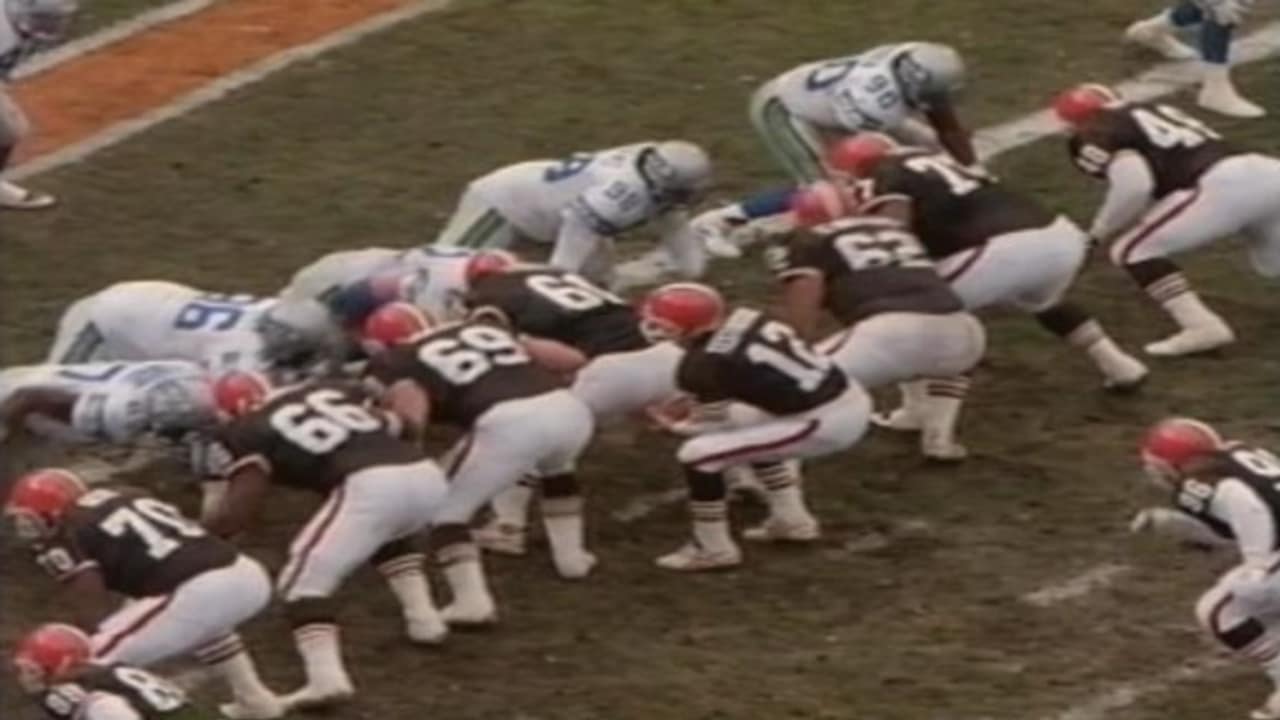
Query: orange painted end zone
122, 81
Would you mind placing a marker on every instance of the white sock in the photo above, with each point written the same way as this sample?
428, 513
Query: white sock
465, 574
229, 658
1104, 352
1190, 312
944, 400
318, 644
562, 518
511, 506
711, 525
409, 584
785, 498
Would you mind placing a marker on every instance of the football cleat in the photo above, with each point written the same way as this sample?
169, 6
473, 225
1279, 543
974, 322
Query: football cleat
1270, 710
680, 310
474, 615
13, 197
259, 709
429, 630
574, 566
692, 557
1219, 94
943, 450
1127, 375
314, 697
49, 653
775, 529
1157, 35
1192, 340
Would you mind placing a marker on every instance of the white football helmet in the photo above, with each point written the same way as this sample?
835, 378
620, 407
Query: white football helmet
677, 170
296, 333
927, 70
41, 20
179, 405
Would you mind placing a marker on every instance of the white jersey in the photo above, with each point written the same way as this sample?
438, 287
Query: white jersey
110, 397
605, 188
156, 320
853, 93
441, 283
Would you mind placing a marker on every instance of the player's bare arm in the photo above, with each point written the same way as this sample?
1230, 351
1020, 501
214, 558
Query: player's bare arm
407, 401
89, 596
951, 133
802, 303
246, 486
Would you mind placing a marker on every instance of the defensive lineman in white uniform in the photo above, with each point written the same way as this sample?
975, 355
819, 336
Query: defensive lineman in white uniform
582, 202
1226, 496
25, 25
157, 320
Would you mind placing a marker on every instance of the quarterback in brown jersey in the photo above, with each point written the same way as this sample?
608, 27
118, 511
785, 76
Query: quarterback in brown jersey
1173, 186
188, 590
993, 245
325, 436
519, 420
902, 323
785, 401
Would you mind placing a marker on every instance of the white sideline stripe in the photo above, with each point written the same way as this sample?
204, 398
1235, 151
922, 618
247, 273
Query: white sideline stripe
1127, 694
1160, 80
1095, 578
641, 505
1163, 79
109, 35
222, 87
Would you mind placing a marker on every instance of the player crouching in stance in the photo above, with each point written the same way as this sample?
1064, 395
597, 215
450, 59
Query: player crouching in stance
326, 437
993, 245
519, 419
786, 400
188, 590
53, 666
1175, 186
1225, 493
903, 323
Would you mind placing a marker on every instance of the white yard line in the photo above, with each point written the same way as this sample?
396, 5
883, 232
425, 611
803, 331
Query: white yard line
642, 505
109, 35
1160, 80
1125, 695
1095, 578
224, 86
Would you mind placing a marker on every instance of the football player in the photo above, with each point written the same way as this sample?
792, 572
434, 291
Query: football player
994, 246
187, 590
888, 89
574, 326
326, 437
1217, 20
519, 420
157, 320
1224, 494
902, 322
581, 203
1174, 186
53, 665
785, 400
25, 26
114, 402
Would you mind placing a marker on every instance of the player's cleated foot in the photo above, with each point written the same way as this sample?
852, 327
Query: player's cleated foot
944, 451
775, 529
501, 538
693, 558
899, 419
431, 630
575, 566
470, 616
1221, 97
1157, 37
264, 708
316, 697
13, 197
1193, 340
1270, 710
1128, 378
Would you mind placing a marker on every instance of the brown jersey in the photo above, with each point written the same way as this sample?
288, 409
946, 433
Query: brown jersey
953, 207
870, 266
1256, 467
761, 362
313, 436
555, 304
140, 545
465, 369
1177, 148
148, 695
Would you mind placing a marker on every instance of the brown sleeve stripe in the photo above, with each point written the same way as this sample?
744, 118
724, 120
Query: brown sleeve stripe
255, 459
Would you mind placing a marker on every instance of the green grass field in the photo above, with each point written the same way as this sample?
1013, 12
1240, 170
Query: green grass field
909, 608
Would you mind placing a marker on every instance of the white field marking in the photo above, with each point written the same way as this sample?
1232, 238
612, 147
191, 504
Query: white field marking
224, 86
642, 505
1097, 577
1160, 80
109, 35
1127, 694
95, 470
